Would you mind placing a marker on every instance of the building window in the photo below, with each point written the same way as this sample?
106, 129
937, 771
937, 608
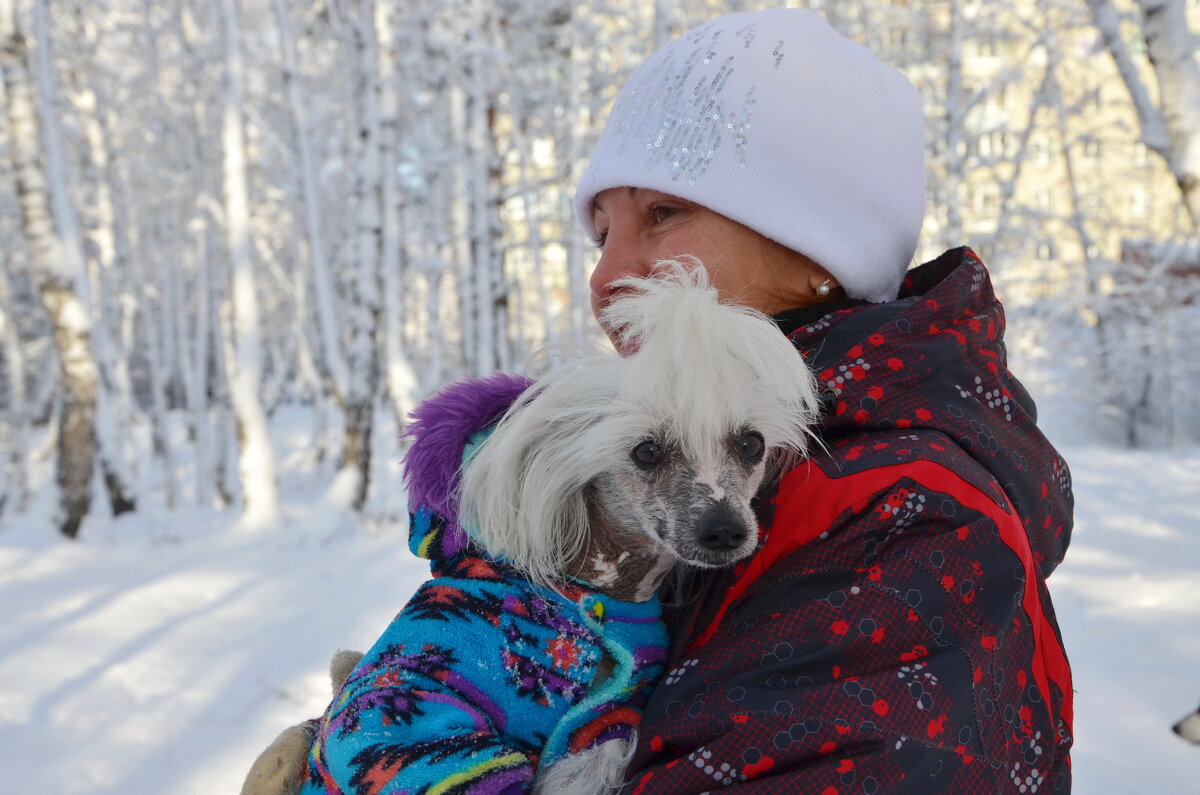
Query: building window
986, 47
1045, 251
997, 99
1139, 201
1091, 101
985, 200
993, 144
1091, 150
899, 39
1041, 150
984, 250
1089, 203
1141, 155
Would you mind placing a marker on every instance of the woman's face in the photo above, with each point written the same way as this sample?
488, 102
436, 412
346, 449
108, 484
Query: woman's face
637, 227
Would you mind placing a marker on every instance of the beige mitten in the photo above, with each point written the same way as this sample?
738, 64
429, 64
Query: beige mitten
279, 770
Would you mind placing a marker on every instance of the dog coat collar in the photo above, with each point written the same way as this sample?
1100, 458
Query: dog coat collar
633, 634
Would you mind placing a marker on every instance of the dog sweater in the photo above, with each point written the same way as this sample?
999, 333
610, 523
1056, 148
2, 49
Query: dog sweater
483, 676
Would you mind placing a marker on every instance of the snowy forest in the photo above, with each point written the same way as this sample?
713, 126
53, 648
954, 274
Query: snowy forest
215, 210
241, 239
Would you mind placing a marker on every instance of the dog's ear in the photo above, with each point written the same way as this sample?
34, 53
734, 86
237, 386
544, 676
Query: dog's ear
523, 491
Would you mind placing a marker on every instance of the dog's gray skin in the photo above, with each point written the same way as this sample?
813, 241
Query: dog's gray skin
1189, 728
647, 516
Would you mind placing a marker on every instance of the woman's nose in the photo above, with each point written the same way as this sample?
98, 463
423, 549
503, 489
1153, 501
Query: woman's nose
622, 257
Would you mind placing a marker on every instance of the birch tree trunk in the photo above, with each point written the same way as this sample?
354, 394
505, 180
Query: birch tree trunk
401, 378
1171, 46
113, 389
196, 361
124, 302
575, 131
1008, 186
1107, 375
519, 108
459, 244
490, 299
156, 341
58, 258
363, 300
224, 422
955, 113
1172, 128
108, 449
15, 494
256, 462
329, 357
209, 422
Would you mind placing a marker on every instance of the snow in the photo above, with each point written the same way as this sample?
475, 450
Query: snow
161, 652
1128, 601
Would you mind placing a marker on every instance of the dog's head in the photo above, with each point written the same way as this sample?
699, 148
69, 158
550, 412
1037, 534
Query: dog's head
652, 457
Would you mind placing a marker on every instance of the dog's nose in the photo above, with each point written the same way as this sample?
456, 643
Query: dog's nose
721, 531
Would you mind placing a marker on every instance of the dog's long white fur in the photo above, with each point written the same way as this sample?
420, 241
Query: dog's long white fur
600, 769
701, 368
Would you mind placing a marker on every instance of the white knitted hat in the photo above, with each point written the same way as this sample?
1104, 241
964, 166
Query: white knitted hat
774, 120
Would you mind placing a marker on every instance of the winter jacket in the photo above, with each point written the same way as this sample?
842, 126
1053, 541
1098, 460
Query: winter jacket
483, 676
893, 633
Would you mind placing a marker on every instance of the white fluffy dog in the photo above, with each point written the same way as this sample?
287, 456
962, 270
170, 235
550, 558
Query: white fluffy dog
614, 469
611, 470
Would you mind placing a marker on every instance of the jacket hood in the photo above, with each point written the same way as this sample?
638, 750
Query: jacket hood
934, 359
443, 426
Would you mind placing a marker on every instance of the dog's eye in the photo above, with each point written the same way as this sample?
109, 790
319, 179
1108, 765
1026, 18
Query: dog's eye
648, 454
751, 447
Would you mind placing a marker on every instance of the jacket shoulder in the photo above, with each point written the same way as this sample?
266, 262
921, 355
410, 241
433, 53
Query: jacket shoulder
895, 454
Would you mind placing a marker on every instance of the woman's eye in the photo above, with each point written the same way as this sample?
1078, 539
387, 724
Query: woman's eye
661, 212
751, 447
600, 239
648, 454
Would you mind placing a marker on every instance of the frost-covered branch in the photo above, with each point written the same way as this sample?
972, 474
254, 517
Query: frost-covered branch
1171, 129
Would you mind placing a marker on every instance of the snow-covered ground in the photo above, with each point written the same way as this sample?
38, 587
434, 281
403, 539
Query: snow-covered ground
162, 651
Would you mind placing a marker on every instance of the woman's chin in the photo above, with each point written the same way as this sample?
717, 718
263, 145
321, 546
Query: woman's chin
624, 346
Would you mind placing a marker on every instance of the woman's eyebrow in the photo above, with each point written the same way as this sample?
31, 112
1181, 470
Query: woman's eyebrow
629, 190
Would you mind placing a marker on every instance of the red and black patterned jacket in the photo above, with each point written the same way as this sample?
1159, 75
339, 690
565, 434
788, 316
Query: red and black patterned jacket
893, 634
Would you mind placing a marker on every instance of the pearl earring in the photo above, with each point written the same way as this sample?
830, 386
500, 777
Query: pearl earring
824, 288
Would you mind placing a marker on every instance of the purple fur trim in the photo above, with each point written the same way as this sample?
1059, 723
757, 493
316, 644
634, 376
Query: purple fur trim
440, 429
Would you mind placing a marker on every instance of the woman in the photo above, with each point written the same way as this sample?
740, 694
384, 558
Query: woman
894, 632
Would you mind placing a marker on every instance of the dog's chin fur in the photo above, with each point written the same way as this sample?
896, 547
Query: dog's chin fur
714, 561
